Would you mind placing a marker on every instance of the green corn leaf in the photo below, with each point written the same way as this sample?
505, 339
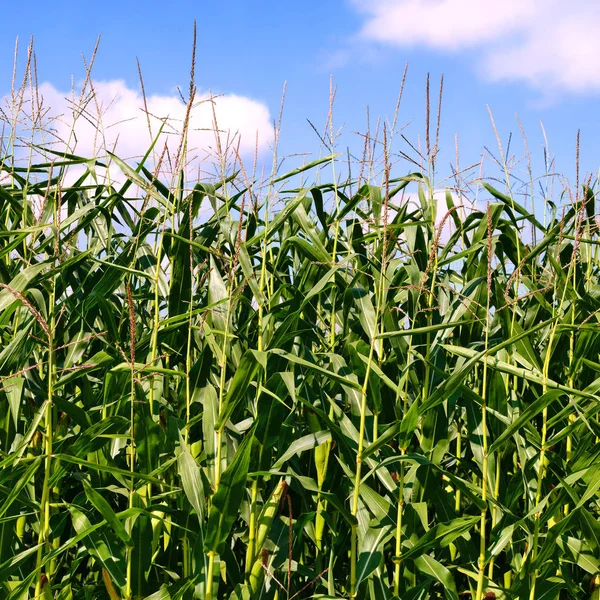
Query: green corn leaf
226, 501
104, 508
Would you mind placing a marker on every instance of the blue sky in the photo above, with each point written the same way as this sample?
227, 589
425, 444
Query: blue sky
517, 57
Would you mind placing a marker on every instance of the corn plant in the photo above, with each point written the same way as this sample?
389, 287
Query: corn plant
277, 388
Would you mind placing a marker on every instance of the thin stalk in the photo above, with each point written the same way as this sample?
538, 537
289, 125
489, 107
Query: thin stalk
382, 236
44, 526
400, 512
222, 381
484, 468
188, 346
457, 493
495, 512
251, 550
337, 210
432, 268
483, 522
188, 369
129, 575
252, 532
209, 579
572, 417
357, 476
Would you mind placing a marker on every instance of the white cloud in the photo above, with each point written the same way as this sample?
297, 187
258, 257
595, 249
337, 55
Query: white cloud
113, 118
550, 44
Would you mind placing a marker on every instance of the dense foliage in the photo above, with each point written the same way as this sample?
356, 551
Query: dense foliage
238, 391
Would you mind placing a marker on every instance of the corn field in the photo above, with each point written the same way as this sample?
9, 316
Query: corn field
275, 388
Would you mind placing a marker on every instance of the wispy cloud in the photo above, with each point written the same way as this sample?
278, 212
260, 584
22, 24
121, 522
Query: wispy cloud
550, 44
